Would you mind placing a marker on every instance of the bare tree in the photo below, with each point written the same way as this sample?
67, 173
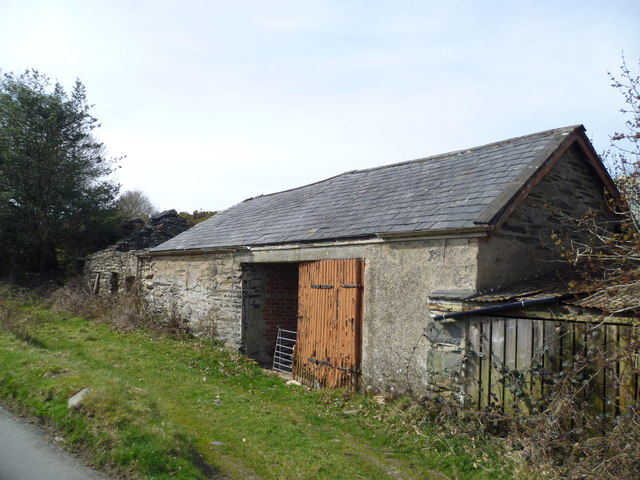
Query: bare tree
625, 151
608, 253
136, 204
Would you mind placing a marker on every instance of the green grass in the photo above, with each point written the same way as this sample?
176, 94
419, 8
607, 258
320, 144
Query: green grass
162, 407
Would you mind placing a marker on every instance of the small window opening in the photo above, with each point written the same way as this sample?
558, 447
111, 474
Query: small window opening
113, 282
129, 283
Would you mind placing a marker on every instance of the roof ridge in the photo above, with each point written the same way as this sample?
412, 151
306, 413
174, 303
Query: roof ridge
439, 156
443, 156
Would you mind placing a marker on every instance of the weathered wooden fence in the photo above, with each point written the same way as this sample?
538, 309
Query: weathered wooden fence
513, 362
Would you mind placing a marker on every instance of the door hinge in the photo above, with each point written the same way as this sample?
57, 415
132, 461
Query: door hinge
328, 364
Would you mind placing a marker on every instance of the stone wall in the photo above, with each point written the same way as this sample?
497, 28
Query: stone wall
115, 269
205, 292
400, 353
201, 292
523, 247
111, 271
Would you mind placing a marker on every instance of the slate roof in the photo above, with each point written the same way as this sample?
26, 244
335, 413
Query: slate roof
455, 191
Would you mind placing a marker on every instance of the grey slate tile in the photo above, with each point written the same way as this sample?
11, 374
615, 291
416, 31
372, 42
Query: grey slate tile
449, 191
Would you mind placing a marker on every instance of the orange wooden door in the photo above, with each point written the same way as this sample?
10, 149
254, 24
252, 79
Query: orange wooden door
328, 349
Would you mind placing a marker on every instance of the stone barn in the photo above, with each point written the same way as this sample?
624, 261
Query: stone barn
350, 262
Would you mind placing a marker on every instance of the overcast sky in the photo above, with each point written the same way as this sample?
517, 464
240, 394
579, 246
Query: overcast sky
216, 101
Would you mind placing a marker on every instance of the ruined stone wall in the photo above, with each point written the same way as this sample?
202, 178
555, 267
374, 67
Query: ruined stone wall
111, 271
202, 292
114, 269
523, 247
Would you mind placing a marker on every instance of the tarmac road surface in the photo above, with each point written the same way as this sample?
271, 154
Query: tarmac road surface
26, 453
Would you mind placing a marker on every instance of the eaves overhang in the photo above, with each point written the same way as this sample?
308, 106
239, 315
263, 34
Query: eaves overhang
193, 251
473, 232
382, 237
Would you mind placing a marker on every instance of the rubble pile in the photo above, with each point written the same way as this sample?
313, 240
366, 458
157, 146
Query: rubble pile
160, 228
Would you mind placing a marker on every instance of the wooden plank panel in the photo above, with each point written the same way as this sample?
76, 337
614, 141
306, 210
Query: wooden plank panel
580, 342
551, 357
485, 362
497, 362
537, 347
524, 360
326, 274
472, 367
597, 382
512, 379
329, 308
302, 346
625, 369
635, 360
610, 387
604, 354
567, 332
343, 338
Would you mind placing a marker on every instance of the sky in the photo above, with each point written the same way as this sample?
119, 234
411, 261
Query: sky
212, 102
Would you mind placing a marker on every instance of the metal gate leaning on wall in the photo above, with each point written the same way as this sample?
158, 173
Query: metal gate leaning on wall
328, 349
510, 360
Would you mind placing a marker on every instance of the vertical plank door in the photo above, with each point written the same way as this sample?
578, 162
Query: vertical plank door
328, 349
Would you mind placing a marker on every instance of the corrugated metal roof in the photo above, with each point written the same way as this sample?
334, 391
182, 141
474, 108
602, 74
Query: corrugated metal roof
614, 298
455, 191
566, 287
545, 286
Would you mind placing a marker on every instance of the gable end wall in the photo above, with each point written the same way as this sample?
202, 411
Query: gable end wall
523, 247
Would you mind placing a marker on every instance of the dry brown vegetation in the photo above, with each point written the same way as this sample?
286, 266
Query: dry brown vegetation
125, 311
12, 317
565, 440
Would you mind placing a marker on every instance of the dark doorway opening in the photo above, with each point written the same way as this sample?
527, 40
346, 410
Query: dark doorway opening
113, 282
270, 300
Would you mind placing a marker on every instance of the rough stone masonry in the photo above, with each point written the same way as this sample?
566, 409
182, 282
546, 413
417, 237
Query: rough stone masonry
115, 269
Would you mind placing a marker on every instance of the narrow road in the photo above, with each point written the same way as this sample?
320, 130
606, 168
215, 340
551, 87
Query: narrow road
27, 454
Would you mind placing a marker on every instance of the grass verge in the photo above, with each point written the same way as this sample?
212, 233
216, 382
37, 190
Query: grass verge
161, 407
